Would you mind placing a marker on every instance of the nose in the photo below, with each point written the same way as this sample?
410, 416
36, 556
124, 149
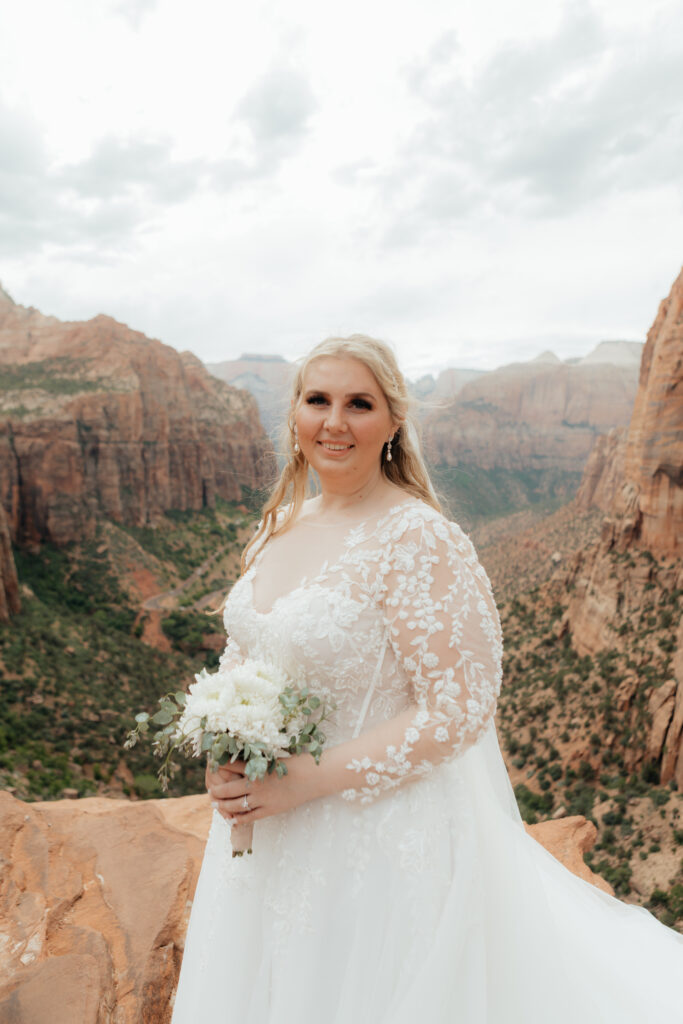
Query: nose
335, 419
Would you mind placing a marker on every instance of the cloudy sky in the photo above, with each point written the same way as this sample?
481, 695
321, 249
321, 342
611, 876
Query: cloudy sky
474, 180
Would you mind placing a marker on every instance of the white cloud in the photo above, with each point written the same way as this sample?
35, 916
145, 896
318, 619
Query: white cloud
466, 180
545, 127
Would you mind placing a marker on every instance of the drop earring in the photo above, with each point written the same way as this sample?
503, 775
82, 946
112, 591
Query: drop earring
389, 450
296, 442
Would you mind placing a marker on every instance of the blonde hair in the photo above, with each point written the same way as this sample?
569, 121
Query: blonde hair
406, 469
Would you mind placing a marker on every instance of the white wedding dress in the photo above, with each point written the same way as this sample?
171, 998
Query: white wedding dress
415, 894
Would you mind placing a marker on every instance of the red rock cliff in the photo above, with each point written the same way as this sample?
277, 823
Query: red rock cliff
610, 590
652, 499
9, 586
97, 419
538, 415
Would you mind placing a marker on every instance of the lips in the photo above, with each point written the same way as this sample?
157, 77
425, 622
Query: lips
334, 446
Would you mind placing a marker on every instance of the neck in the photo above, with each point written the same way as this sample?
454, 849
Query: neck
335, 500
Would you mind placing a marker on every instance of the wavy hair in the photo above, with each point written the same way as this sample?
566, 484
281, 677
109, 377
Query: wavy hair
406, 469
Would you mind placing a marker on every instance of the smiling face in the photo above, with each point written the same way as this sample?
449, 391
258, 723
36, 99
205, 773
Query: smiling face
343, 422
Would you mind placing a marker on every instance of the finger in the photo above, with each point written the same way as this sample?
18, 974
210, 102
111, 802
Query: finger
234, 808
224, 773
229, 790
248, 816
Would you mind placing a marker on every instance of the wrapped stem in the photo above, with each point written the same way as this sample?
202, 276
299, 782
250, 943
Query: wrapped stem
241, 839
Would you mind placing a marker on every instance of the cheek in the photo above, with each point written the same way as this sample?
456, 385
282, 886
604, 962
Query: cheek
372, 434
307, 421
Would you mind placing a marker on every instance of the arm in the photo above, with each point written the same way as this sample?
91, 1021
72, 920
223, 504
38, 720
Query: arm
446, 634
444, 631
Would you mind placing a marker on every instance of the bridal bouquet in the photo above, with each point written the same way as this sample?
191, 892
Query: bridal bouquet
252, 711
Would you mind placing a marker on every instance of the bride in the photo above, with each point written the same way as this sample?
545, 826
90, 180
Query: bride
394, 880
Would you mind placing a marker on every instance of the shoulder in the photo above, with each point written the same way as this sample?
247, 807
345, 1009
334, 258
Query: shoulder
417, 521
418, 534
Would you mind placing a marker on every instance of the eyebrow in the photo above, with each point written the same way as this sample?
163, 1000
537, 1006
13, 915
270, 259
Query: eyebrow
350, 394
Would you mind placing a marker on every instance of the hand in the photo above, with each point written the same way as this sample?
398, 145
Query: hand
271, 795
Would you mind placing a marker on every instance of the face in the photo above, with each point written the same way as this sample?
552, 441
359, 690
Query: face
343, 422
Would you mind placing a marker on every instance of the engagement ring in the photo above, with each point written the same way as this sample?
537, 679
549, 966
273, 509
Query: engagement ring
245, 803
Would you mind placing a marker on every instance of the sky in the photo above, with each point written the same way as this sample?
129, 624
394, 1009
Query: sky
474, 181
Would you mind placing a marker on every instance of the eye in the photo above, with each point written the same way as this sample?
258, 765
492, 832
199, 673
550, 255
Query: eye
361, 403
315, 400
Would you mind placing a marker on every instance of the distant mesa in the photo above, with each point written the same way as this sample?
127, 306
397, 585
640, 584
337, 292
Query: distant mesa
254, 357
547, 357
616, 353
267, 378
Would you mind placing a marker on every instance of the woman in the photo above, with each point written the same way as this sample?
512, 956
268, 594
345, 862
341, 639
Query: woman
394, 881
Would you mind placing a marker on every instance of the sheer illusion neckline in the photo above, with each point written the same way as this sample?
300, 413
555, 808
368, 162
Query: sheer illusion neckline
313, 579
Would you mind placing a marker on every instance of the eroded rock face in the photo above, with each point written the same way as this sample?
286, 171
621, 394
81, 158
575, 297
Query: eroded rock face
639, 483
95, 900
9, 585
653, 496
603, 475
531, 416
97, 419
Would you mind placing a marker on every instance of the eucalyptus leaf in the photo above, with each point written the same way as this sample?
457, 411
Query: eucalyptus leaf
162, 717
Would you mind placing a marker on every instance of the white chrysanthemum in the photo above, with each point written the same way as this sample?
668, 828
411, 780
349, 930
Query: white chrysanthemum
243, 701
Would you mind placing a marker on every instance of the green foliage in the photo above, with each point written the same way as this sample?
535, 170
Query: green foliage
474, 494
619, 876
532, 804
187, 631
75, 670
85, 586
671, 902
60, 376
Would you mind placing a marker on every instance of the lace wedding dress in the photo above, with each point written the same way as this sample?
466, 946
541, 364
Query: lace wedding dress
414, 894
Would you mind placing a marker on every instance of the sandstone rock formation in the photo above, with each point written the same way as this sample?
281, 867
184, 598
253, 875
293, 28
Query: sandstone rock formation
639, 483
95, 897
652, 499
603, 475
97, 419
539, 415
9, 585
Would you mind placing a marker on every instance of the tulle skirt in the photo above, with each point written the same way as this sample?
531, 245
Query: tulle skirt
431, 904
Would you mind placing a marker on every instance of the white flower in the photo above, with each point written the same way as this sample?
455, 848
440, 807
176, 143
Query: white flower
412, 735
441, 734
243, 701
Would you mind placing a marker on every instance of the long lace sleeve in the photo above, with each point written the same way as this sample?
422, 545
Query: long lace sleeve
444, 630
